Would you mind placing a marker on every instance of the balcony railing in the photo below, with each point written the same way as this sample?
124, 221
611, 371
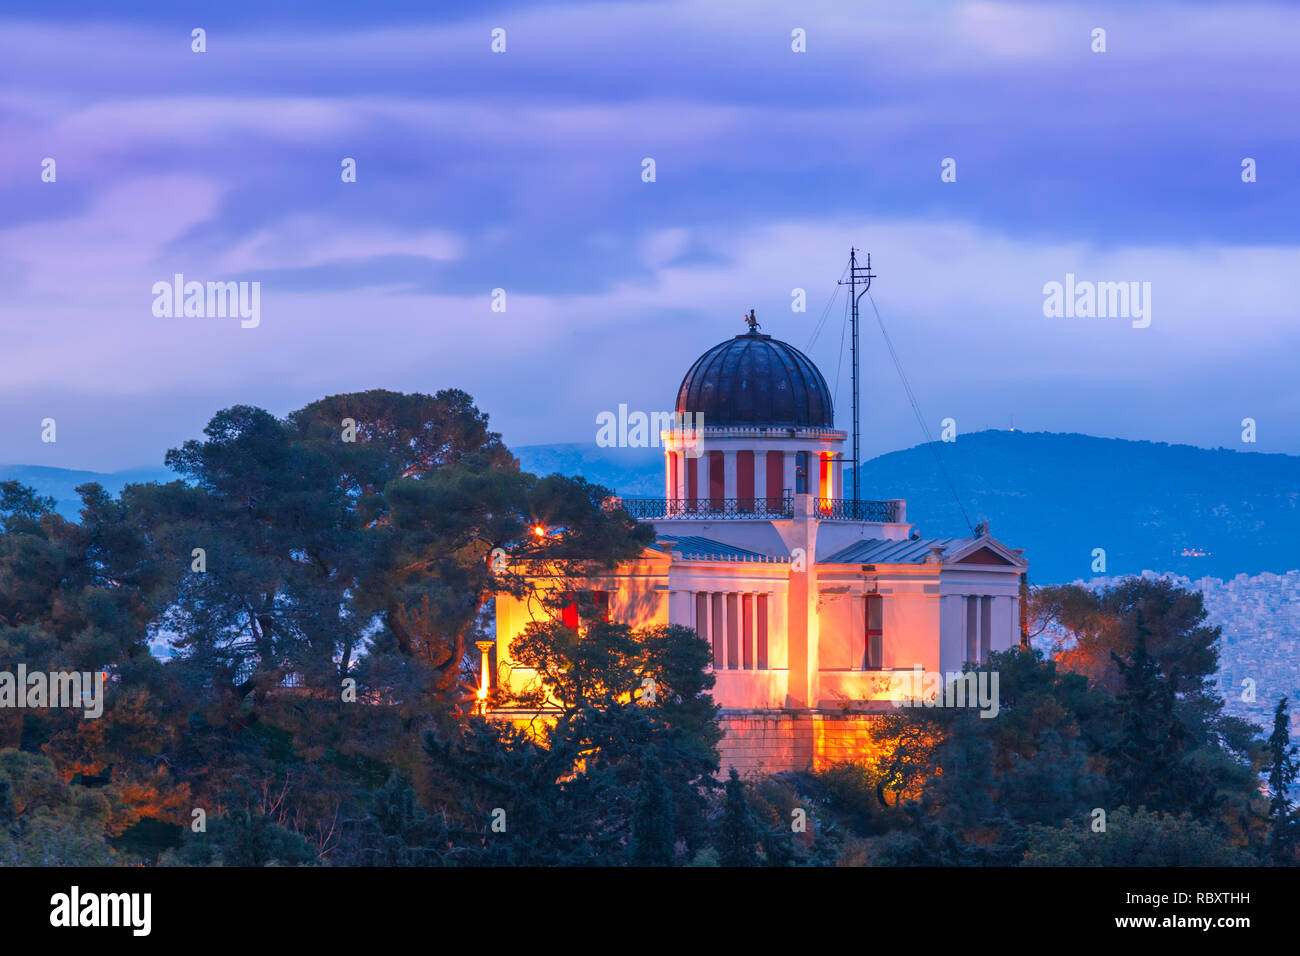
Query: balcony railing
835, 509
782, 507
846, 509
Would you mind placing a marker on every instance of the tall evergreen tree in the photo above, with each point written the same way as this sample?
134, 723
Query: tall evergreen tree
739, 828
1150, 739
653, 841
1284, 842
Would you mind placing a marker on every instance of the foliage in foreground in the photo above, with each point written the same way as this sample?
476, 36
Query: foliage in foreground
287, 568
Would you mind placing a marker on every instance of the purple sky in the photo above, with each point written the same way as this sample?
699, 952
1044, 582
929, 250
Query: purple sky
522, 171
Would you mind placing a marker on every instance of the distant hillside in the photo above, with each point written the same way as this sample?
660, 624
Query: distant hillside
61, 483
1061, 496
632, 472
1056, 496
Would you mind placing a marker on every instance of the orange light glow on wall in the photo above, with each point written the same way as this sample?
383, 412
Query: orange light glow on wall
824, 480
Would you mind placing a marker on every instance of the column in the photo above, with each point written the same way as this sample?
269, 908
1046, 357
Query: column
722, 630
709, 625
484, 675
747, 647
678, 611
788, 471
760, 480
729, 474
735, 620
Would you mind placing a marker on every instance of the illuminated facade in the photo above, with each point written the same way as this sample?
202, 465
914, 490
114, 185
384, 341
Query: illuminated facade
819, 609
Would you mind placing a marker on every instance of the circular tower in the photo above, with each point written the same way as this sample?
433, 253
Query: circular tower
753, 426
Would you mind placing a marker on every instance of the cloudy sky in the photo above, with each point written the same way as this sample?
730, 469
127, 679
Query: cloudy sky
522, 171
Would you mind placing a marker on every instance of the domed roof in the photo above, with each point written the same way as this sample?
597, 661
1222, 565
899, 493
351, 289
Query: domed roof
757, 380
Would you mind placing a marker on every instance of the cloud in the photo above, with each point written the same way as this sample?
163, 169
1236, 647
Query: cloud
522, 172
306, 241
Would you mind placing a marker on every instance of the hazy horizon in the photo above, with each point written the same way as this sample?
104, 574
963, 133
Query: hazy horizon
521, 446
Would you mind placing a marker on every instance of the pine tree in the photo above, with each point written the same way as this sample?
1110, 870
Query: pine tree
1151, 738
652, 824
1281, 775
739, 829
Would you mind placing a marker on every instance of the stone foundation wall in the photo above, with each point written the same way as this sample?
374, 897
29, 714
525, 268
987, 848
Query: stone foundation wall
758, 742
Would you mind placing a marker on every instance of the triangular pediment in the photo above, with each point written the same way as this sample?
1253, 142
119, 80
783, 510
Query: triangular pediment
988, 552
984, 556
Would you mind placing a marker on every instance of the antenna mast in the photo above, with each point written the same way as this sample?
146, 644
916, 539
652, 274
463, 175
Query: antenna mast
857, 275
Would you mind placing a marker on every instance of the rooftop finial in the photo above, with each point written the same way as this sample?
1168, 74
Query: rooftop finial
753, 322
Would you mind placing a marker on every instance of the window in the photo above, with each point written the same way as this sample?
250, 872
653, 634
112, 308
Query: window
735, 625
717, 480
801, 473
775, 479
873, 656
745, 480
569, 615
704, 625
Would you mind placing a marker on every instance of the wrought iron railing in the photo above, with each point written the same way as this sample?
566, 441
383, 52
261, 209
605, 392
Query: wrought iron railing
833, 509
846, 509
782, 507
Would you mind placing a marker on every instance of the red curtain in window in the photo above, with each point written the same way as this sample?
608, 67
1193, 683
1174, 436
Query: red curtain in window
745, 480
569, 615
717, 481
775, 478
874, 651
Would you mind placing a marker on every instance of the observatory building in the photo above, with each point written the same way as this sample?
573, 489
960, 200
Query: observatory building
822, 611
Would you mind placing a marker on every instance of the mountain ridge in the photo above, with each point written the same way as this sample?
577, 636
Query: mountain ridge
1149, 505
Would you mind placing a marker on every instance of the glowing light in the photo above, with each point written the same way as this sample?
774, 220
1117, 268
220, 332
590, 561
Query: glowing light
484, 647
539, 531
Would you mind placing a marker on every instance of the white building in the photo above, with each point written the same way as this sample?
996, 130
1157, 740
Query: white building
820, 609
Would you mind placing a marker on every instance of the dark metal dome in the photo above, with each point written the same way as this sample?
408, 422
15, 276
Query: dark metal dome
754, 379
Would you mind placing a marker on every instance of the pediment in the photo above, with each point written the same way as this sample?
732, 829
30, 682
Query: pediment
987, 552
